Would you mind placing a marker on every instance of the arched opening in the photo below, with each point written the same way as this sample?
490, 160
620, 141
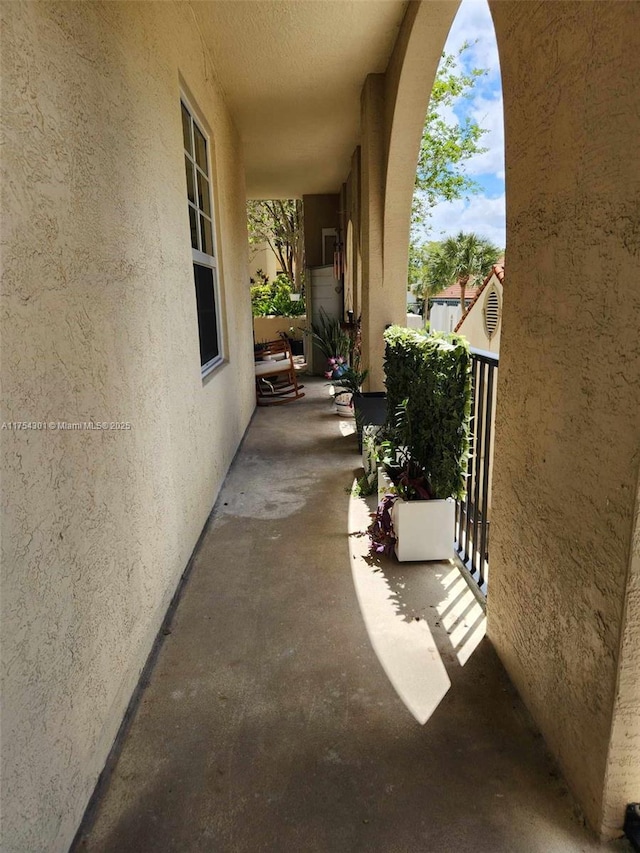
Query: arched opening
453, 211
349, 304
566, 438
458, 214
560, 540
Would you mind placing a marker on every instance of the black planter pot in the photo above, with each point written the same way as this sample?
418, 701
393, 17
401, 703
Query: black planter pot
370, 408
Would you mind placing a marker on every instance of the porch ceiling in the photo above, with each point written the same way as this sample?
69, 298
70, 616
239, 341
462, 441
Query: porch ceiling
292, 72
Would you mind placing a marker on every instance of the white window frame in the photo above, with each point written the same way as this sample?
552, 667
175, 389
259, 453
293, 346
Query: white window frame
199, 257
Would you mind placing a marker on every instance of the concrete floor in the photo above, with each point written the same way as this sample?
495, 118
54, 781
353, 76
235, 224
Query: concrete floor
270, 723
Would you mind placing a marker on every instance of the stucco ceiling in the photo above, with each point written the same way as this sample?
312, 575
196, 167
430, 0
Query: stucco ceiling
292, 72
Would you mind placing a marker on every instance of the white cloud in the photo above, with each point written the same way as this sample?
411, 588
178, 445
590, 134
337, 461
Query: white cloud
488, 112
482, 215
473, 24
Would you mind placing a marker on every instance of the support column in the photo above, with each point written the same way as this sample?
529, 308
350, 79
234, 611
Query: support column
375, 313
563, 604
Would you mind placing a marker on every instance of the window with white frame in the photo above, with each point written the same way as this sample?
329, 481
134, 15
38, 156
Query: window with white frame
203, 244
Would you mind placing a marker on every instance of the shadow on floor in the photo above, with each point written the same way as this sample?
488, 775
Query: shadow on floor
268, 723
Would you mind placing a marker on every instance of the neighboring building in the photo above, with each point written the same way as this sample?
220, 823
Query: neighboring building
262, 258
482, 321
445, 310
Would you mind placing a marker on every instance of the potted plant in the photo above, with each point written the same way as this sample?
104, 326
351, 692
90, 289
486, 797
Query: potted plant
425, 454
334, 343
295, 343
370, 409
349, 382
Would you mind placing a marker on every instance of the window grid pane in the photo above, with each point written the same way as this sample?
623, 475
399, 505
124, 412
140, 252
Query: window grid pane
201, 149
206, 235
186, 129
191, 188
204, 198
193, 224
207, 314
200, 207
198, 188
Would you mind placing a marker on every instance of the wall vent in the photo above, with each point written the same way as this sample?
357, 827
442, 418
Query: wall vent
492, 312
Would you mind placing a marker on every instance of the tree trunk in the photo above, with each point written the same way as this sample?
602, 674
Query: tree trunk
279, 252
463, 290
298, 248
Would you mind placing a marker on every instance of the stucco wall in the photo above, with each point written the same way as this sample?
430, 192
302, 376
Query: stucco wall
269, 328
377, 307
408, 83
320, 211
622, 783
262, 258
568, 421
473, 327
393, 110
99, 322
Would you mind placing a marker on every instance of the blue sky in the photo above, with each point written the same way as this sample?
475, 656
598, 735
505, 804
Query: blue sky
483, 213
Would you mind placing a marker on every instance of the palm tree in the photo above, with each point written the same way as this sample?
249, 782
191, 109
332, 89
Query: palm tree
460, 260
419, 265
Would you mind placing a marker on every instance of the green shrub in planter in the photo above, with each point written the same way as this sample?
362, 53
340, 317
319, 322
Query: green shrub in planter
274, 298
428, 379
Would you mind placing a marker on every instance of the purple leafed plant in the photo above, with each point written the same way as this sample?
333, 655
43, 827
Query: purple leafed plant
383, 537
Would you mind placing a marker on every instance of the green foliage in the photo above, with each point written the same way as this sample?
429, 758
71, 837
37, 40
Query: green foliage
420, 280
330, 337
261, 278
428, 379
445, 145
279, 223
363, 487
460, 259
274, 298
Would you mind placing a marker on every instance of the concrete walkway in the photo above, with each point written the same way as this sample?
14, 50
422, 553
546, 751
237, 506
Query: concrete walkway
270, 724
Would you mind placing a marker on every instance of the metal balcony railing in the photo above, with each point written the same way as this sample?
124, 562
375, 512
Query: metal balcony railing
473, 514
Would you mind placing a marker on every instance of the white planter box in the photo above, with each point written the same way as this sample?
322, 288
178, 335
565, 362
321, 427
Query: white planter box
385, 484
424, 529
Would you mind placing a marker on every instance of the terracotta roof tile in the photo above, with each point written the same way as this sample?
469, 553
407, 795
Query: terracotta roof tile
453, 292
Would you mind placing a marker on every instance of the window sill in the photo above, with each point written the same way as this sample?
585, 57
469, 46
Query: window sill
207, 370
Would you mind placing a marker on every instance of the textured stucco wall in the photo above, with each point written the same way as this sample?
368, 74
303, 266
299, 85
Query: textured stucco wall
622, 783
99, 322
393, 110
377, 310
320, 211
262, 258
473, 327
408, 83
269, 328
568, 422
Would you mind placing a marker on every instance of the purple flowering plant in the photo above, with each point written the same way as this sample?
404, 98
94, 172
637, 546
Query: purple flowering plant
336, 365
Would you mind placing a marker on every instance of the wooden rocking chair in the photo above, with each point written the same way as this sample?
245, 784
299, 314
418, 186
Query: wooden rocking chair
276, 381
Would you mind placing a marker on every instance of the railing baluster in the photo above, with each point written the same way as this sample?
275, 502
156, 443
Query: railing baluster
486, 473
474, 420
476, 467
473, 514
